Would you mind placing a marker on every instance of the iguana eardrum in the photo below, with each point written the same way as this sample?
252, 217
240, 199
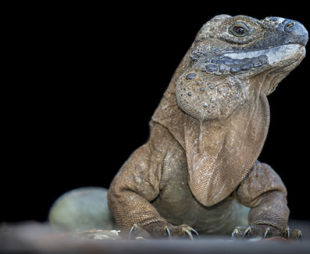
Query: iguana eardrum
199, 166
199, 171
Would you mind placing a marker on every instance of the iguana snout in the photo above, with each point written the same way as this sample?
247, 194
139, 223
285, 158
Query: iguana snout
285, 31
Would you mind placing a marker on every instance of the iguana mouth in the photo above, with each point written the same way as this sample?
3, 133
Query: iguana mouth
227, 63
240, 62
271, 55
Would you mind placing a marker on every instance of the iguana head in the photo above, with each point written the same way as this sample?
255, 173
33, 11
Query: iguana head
234, 57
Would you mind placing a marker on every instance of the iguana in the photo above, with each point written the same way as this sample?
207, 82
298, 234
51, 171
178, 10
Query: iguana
199, 169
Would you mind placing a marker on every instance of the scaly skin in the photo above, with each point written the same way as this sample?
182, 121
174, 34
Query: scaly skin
199, 167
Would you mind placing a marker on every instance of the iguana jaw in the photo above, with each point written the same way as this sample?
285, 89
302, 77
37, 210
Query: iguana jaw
251, 62
279, 57
282, 60
205, 93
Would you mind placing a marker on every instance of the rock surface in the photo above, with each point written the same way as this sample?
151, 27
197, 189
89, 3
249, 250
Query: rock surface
32, 237
71, 210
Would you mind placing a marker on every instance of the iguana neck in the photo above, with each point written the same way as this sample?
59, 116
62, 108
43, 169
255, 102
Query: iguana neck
218, 150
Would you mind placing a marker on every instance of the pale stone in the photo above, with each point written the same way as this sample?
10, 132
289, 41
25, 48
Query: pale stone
81, 209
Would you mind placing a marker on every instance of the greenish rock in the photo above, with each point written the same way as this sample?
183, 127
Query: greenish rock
81, 209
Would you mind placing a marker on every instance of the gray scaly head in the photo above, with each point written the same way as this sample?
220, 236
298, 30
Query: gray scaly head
234, 58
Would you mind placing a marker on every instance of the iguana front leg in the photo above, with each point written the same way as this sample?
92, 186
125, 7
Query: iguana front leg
137, 184
264, 192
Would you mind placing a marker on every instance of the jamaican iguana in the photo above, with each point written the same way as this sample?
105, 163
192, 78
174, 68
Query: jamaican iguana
199, 169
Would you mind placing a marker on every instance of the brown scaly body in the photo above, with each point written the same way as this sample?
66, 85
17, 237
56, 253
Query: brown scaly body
199, 172
199, 167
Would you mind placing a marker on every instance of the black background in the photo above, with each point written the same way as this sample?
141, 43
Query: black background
80, 84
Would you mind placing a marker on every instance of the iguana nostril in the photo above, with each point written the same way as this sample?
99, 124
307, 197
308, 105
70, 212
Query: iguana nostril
296, 32
289, 26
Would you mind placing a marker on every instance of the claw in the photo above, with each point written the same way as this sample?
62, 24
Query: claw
292, 234
247, 231
132, 229
297, 234
236, 233
266, 234
188, 232
168, 232
195, 232
287, 233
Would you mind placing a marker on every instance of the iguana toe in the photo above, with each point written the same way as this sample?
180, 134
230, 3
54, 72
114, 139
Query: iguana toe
294, 234
255, 231
163, 231
185, 230
138, 232
265, 231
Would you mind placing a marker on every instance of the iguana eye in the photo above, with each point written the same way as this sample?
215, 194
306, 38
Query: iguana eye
239, 29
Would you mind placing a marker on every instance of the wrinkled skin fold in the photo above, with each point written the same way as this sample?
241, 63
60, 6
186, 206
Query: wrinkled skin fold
199, 168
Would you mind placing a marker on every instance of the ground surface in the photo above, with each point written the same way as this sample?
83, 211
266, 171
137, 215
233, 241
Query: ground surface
32, 237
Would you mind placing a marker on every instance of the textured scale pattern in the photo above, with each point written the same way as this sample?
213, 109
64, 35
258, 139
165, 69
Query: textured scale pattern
199, 168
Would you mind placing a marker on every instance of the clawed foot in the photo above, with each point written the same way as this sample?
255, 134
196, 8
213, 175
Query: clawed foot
181, 231
265, 231
170, 231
